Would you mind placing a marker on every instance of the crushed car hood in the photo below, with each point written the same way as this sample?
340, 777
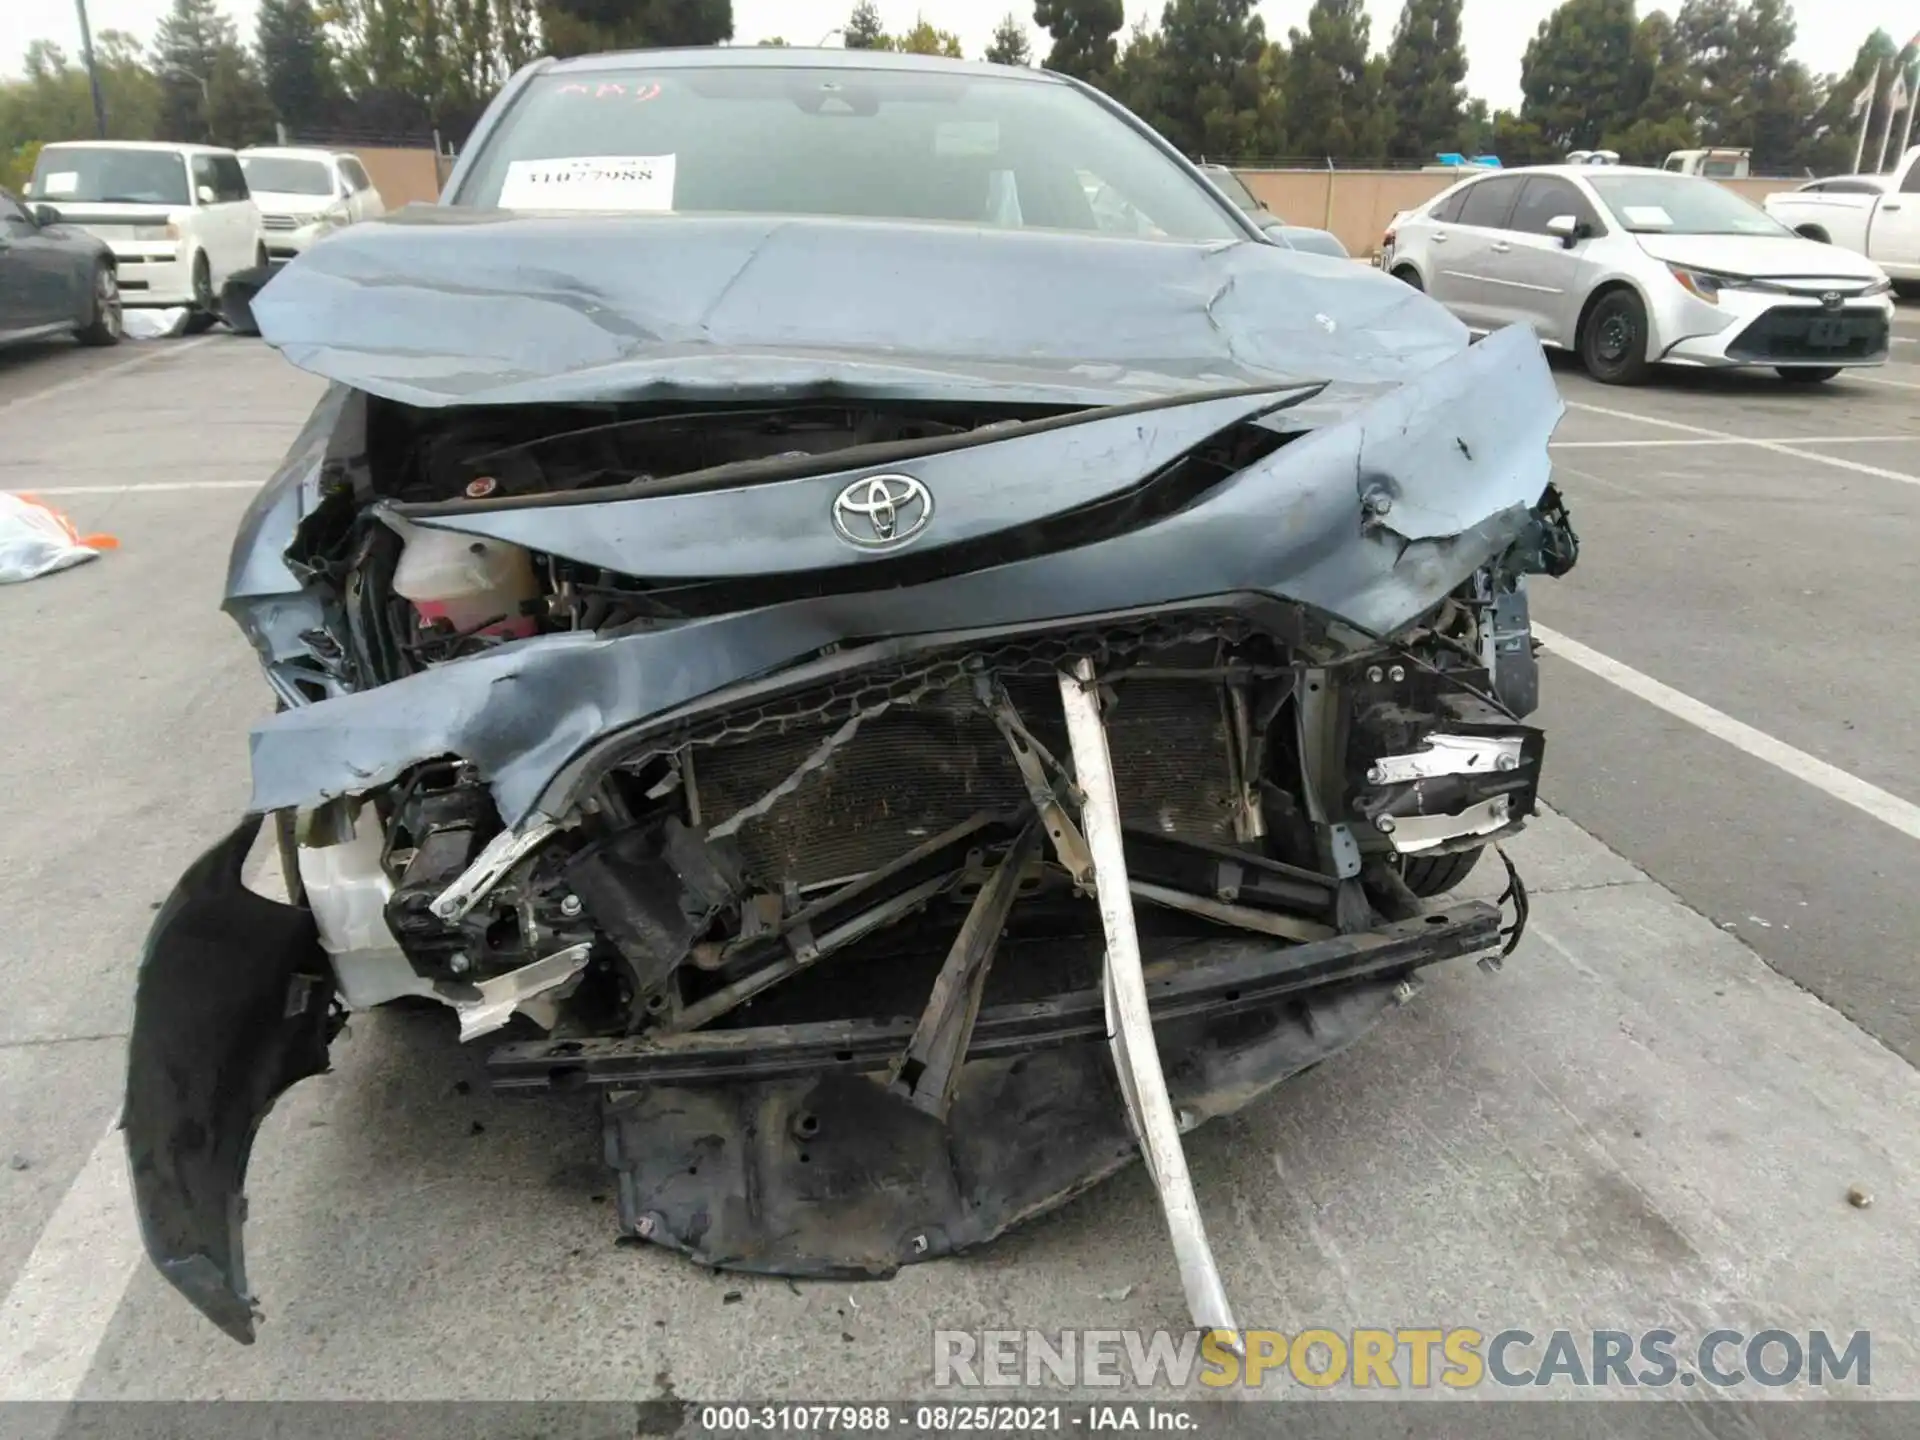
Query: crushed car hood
437, 306
1371, 519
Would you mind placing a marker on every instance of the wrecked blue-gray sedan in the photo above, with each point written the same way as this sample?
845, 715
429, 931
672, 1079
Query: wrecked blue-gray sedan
854, 609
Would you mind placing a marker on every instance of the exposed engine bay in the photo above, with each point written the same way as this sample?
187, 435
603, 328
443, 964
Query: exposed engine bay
899, 810
862, 818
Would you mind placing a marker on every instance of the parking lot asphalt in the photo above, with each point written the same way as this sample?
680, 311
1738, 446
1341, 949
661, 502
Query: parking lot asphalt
1653, 1115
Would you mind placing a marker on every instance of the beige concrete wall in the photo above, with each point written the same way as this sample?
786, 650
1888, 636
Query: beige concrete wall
401, 176
1356, 204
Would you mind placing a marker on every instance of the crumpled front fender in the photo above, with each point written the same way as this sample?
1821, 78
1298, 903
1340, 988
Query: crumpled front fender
232, 1009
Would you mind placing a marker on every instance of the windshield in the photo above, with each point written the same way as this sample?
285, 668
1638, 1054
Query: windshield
1680, 205
69, 174
282, 175
1235, 188
798, 140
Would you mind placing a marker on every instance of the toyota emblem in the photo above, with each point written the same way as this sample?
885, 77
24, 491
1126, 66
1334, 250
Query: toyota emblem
1830, 300
882, 511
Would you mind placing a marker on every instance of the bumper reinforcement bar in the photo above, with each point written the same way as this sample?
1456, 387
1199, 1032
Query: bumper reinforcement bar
1234, 975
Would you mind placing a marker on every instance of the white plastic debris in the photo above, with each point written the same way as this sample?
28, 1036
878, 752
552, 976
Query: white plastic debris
154, 324
36, 539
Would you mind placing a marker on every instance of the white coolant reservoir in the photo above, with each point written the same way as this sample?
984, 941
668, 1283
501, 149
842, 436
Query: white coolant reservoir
464, 579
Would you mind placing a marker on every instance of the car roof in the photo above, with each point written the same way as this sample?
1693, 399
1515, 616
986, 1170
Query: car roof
774, 57
292, 152
1590, 170
164, 145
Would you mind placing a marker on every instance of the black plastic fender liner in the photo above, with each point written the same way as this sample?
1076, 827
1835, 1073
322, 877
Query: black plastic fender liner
232, 1009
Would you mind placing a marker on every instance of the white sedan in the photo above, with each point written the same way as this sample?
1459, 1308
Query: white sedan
1630, 268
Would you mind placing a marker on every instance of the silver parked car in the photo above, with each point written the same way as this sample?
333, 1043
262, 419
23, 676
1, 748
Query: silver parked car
1631, 268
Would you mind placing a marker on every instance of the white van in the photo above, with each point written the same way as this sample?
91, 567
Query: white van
179, 218
305, 195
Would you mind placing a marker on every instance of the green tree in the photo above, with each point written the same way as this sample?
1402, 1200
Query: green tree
1137, 75
52, 100
1213, 99
779, 42
1332, 105
1578, 74
923, 39
296, 64
1083, 34
1664, 81
585, 27
1425, 80
1776, 97
1519, 142
210, 89
1010, 45
1833, 133
864, 30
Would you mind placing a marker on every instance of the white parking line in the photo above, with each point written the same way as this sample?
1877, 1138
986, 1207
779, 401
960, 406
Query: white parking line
63, 1299
80, 382
1778, 447
159, 486
1869, 799
1734, 440
1882, 380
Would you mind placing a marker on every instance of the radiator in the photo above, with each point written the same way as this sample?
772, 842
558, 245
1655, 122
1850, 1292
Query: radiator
911, 772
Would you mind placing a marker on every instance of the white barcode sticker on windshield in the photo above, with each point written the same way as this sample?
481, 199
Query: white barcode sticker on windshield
590, 182
60, 182
1645, 215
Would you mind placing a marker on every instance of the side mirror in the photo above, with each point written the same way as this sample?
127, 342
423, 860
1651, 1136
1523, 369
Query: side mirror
204, 193
1567, 228
44, 214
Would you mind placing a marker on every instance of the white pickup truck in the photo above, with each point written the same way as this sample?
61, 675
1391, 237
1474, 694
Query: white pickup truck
1876, 215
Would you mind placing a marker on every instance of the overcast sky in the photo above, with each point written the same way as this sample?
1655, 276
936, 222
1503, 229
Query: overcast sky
1496, 30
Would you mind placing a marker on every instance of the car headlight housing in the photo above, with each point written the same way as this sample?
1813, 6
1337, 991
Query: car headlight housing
1707, 284
1702, 284
334, 215
1878, 287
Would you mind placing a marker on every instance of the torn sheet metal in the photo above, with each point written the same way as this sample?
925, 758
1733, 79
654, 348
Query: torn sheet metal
531, 309
774, 527
499, 998
1291, 526
1130, 1037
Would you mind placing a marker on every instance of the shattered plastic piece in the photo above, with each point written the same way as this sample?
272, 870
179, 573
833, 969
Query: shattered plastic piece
1115, 1296
36, 540
144, 324
1858, 1197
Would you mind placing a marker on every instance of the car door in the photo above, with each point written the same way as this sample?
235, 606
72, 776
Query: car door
1465, 249
239, 216
367, 200
1895, 238
1533, 276
35, 289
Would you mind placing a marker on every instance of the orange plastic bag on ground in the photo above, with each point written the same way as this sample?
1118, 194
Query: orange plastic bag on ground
36, 539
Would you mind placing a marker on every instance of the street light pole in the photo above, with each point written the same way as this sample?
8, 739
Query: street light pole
93, 71
206, 94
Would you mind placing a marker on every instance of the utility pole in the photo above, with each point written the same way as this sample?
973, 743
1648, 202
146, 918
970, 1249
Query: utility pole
1866, 116
1913, 104
1896, 99
93, 71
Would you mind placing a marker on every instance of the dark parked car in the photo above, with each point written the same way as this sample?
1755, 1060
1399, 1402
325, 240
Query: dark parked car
777, 576
54, 280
